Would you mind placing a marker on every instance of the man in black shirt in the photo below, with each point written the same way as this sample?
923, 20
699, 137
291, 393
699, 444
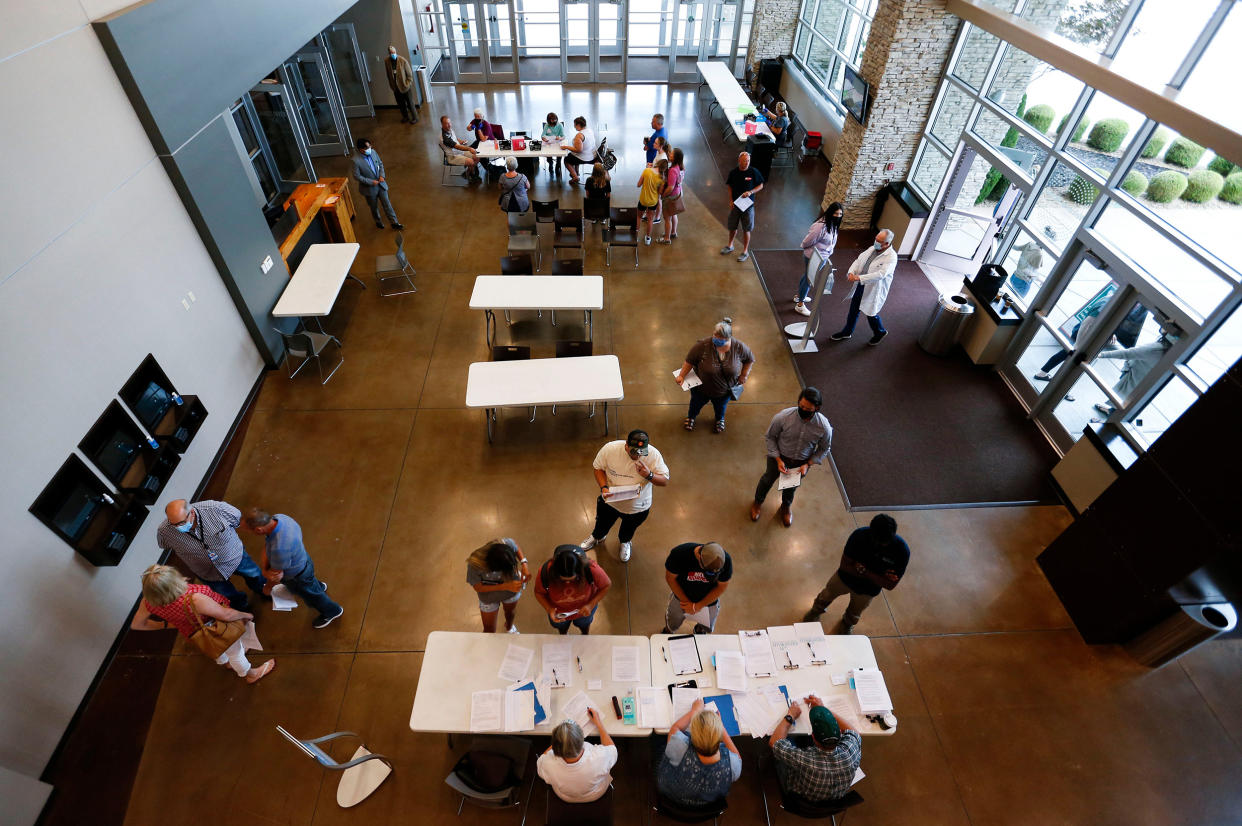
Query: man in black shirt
697, 575
743, 182
874, 558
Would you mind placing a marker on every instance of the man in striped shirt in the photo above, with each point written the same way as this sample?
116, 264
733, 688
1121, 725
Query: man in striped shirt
203, 535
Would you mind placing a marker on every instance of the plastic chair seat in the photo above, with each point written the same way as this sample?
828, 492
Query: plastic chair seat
357, 782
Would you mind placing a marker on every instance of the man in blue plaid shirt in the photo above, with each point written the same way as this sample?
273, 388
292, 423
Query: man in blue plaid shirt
820, 767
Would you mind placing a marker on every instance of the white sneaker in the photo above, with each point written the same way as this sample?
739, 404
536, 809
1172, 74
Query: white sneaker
588, 543
801, 309
513, 629
625, 551
1042, 375
647, 240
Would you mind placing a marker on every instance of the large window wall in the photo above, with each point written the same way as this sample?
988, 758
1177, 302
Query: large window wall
1122, 252
830, 35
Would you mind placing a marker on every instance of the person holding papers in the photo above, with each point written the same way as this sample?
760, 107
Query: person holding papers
703, 774
743, 183
697, 575
579, 772
286, 561
796, 438
553, 131
722, 364
819, 767
875, 557
498, 573
570, 587
631, 467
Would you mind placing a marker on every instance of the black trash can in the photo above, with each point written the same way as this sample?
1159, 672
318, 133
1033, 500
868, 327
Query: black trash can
770, 70
761, 154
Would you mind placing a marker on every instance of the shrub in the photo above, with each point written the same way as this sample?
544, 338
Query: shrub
1078, 130
1081, 191
1184, 153
1157, 142
1108, 134
1222, 167
1040, 117
1166, 186
994, 184
1232, 193
1135, 183
1204, 185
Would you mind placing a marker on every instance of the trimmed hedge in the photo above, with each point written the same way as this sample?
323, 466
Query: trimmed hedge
1184, 153
1167, 186
1232, 193
1040, 117
1135, 183
1204, 186
1222, 167
1157, 142
1108, 134
1081, 191
1078, 130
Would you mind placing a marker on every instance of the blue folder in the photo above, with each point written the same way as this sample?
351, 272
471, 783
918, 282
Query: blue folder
540, 714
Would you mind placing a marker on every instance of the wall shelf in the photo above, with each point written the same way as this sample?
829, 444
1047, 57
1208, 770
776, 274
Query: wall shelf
154, 401
121, 452
79, 508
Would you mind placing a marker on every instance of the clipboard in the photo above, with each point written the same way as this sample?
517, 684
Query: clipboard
698, 658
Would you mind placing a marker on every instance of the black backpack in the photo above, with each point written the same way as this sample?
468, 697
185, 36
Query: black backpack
545, 570
605, 155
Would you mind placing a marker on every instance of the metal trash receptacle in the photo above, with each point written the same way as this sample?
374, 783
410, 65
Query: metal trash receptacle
944, 328
1189, 628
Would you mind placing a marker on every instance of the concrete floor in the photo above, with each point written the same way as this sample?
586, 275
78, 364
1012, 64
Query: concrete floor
1006, 717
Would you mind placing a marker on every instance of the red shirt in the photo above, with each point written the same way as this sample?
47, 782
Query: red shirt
178, 613
568, 596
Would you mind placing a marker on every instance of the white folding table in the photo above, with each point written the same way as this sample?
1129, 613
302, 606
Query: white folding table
531, 382
314, 286
730, 96
536, 292
548, 149
457, 663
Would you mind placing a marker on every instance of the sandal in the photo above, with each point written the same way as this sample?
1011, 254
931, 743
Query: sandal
719, 428
688, 424
259, 673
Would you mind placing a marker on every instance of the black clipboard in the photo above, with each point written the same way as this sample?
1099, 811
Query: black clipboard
697, 656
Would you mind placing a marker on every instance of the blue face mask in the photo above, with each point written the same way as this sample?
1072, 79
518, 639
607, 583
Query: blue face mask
878, 246
186, 527
392, 57
367, 151
719, 342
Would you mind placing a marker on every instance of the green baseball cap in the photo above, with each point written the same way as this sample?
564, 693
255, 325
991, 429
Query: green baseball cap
824, 727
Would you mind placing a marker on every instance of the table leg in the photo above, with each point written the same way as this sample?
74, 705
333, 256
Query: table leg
353, 277
489, 416
489, 329
607, 428
590, 329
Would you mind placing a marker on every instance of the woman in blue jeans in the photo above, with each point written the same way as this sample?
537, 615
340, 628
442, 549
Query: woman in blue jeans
822, 238
570, 586
722, 364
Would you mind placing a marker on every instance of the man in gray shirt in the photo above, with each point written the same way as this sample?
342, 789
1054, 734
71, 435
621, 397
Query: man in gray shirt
796, 437
204, 536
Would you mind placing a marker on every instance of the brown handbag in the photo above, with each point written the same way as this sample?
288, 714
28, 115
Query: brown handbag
214, 636
674, 206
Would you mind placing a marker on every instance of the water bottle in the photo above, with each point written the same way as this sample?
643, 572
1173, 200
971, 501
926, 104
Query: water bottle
177, 399
154, 444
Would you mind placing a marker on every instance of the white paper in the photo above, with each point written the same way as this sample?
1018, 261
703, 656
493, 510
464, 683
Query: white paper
743, 203
576, 710
838, 679
691, 380
486, 708
652, 710
858, 775
789, 479
788, 650
519, 710
812, 633
625, 664
699, 617
757, 653
595, 685
249, 639
557, 663
516, 663
620, 493
543, 689
872, 693
283, 599
844, 708
683, 656
683, 698
730, 670
775, 697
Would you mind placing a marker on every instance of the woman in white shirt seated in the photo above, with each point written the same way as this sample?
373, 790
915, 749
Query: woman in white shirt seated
581, 148
579, 772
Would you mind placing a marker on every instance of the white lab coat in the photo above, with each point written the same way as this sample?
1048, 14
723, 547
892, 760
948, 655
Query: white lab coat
876, 280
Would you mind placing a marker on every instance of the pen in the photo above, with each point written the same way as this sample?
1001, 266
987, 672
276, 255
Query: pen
579, 659
555, 678
788, 660
664, 653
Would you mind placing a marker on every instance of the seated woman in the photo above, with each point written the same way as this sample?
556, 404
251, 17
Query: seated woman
599, 186
579, 772
703, 774
513, 188
570, 586
778, 122
581, 148
481, 128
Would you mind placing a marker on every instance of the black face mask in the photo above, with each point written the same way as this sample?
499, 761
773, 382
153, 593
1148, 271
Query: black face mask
805, 414
834, 221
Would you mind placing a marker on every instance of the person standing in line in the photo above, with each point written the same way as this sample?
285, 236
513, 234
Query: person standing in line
697, 575
570, 586
872, 273
498, 573
822, 239
285, 561
797, 438
658, 131
581, 149
632, 462
369, 172
722, 364
204, 536
743, 182
650, 182
553, 132
578, 771
401, 81
670, 196
875, 557
819, 767
514, 187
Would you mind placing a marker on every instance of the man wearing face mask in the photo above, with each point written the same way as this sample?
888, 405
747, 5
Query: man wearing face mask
203, 535
632, 463
369, 170
872, 273
401, 80
796, 438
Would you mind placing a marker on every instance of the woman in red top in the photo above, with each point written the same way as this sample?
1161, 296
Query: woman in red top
165, 601
569, 587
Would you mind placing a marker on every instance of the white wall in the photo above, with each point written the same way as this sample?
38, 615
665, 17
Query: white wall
96, 253
816, 116
378, 24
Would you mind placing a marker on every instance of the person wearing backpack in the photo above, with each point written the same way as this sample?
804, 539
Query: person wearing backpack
570, 587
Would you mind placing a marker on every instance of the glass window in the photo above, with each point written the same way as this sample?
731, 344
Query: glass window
1061, 205
243, 127
929, 172
951, 117
1091, 23
1206, 89
976, 55
1166, 407
1105, 130
1166, 262
828, 20
1136, 346
819, 59
1009, 141
1028, 264
1078, 407
1040, 91
1220, 352
1158, 41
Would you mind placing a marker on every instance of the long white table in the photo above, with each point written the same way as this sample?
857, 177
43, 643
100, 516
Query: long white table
314, 286
847, 652
730, 96
459, 663
488, 149
532, 382
536, 292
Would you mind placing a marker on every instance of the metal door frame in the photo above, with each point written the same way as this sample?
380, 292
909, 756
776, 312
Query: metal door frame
285, 185
366, 110
343, 145
594, 74
488, 31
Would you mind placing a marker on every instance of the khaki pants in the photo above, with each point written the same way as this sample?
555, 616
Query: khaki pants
836, 588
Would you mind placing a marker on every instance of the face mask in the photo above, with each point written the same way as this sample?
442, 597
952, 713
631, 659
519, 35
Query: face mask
878, 246
392, 57
367, 151
186, 527
719, 342
805, 414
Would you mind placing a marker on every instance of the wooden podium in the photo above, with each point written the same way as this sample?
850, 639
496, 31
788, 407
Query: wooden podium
327, 201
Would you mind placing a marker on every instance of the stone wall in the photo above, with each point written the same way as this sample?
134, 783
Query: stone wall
772, 30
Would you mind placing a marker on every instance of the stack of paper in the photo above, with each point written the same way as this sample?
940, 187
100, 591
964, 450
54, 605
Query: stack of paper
487, 710
557, 659
576, 710
652, 708
519, 710
730, 670
871, 692
620, 493
691, 380
516, 662
789, 651
761, 709
758, 653
789, 479
625, 664
812, 633
683, 698
282, 599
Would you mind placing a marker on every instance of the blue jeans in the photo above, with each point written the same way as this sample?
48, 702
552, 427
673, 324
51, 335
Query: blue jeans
583, 623
698, 399
250, 572
877, 326
804, 284
306, 585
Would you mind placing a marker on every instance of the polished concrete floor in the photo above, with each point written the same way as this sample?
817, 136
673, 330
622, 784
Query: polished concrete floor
1006, 717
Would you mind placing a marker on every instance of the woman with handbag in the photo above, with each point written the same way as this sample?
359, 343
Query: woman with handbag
513, 188
722, 364
200, 615
670, 195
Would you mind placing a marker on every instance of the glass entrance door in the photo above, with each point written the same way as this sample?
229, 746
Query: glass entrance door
690, 23
349, 66
593, 41
481, 40
500, 36
309, 81
539, 41
275, 110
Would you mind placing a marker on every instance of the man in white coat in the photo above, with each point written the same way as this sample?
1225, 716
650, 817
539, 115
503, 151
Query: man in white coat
873, 270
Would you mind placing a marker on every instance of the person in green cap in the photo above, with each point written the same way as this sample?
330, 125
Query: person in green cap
819, 767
